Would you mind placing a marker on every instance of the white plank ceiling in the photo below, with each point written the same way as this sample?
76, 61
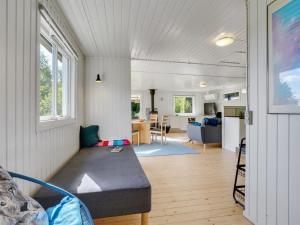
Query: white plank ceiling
165, 38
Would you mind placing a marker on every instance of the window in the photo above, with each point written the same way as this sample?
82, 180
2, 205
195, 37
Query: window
231, 96
135, 107
55, 81
184, 105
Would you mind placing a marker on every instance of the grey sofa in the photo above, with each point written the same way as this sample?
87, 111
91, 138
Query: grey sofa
205, 135
110, 184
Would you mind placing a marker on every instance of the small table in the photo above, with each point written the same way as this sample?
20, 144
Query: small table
144, 129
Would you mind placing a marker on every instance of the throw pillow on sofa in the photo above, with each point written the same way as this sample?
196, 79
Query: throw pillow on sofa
196, 124
89, 136
211, 121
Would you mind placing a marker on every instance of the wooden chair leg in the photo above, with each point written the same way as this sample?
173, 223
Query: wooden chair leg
145, 219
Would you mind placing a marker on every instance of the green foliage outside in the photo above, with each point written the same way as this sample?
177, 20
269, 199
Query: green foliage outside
59, 93
183, 104
188, 105
135, 109
46, 87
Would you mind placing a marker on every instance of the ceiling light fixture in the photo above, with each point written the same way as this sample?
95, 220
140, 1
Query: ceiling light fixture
203, 84
224, 41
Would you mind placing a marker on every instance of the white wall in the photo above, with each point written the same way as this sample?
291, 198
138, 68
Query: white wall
109, 104
273, 178
22, 148
163, 101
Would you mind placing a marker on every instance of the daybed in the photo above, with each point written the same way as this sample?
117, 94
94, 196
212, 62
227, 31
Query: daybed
110, 184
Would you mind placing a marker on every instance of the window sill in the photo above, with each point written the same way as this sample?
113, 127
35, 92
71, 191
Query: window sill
52, 124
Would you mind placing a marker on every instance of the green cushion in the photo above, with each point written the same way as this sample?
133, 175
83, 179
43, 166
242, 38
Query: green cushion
89, 136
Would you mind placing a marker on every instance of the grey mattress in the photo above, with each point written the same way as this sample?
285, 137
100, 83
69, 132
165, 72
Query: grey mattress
110, 184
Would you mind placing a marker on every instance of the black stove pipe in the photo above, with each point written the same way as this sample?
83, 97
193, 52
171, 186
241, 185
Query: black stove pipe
152, 93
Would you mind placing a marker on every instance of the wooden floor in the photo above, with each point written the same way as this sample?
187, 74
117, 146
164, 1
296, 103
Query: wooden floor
189, 190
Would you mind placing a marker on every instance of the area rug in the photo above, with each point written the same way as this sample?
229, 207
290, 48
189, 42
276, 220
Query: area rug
157, 149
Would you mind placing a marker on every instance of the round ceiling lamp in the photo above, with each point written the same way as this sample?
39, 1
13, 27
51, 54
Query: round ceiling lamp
224, 41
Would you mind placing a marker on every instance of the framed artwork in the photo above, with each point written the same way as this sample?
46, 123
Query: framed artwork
284, 56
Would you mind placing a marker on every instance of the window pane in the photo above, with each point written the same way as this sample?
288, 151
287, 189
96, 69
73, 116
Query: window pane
59, 86
135, 107
232, 96
62, 85
46, 78
179, 104
188, 105
183, 104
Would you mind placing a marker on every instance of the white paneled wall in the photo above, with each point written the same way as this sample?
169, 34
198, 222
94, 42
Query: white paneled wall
273, 179
108, 104
22, 148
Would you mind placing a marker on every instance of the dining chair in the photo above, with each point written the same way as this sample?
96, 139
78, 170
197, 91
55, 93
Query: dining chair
153, 121
162, 130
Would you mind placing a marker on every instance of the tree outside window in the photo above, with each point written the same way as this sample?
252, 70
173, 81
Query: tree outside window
46, 80
54, 81
135, 107
183, 104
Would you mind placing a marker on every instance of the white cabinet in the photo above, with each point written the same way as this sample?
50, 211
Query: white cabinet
233, 131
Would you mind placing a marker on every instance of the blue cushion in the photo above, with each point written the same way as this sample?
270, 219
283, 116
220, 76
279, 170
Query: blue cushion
196, 124
206, 121
67, 212
211, 121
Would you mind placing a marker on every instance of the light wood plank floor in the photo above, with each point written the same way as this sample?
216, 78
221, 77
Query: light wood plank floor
189, 190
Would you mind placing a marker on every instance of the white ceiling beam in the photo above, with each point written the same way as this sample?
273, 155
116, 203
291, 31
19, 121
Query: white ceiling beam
188, 62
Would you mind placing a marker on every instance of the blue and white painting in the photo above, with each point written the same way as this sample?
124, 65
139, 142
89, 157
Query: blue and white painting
285, 50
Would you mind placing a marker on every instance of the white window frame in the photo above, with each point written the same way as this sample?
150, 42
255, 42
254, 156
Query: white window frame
193, 106
54, 121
